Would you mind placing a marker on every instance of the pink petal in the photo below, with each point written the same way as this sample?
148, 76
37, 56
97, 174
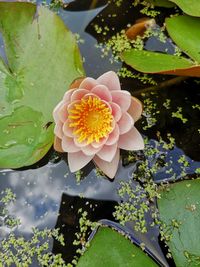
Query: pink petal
88, 83
125, 123
77, 143
100, 143
78, 160
67, 95
55, 111
109, 168
68, 145
89, 150
131, 140
90, 94
78, 94
114, 136
62, 112
107, 153
103, 92
110, 80
135, 109
58, 129
71, 105
68, 131
116, 111
122, 98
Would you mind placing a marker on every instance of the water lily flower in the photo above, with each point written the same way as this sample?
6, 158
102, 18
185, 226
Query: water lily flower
94, 120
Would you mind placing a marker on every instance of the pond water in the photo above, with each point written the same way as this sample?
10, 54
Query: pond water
48, 195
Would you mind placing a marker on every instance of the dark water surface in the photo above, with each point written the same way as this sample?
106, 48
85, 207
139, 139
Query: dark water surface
48, 195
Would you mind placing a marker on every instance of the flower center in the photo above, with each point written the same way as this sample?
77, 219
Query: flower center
91, 119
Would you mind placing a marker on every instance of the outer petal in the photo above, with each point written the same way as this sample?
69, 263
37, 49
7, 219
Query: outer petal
89, 150
76, 83
125, 123
135, 109
88, 83
131, 140
111, 80
57, 144
58, 129
109, 168
103, 92
114, 136
116, 111
56, 109
78, 160
107, 153
62, 112
78, 94
122, 98
67, 95
68, 145
68, 131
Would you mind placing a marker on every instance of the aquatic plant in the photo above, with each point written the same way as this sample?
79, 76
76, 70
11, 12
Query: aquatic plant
94, 120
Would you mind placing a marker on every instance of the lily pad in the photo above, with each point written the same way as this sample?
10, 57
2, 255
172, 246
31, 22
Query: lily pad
179, 209
191, 7
110, 248
152, 62
43, 59
184, 31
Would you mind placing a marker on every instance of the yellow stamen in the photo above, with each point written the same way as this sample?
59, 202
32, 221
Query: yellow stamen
91, 120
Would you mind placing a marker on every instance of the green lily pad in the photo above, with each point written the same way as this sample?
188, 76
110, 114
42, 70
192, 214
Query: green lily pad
190, 7
184, 31
110, 248
180, 210
43, 59
153, 62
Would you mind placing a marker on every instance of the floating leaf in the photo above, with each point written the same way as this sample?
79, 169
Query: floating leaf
43, 59
184, 30
110, 248
191, 7
152, 62
179, 209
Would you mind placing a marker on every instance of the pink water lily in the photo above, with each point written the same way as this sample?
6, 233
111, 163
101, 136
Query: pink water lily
96, 119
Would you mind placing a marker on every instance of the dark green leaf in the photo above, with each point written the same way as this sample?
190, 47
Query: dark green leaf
111, 249
180, 210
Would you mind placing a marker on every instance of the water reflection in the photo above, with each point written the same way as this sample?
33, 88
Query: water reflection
50, 195
39, 191
92, 56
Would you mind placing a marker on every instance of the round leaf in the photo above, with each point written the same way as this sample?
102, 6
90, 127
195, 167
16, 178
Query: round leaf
179, 209
110, 248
